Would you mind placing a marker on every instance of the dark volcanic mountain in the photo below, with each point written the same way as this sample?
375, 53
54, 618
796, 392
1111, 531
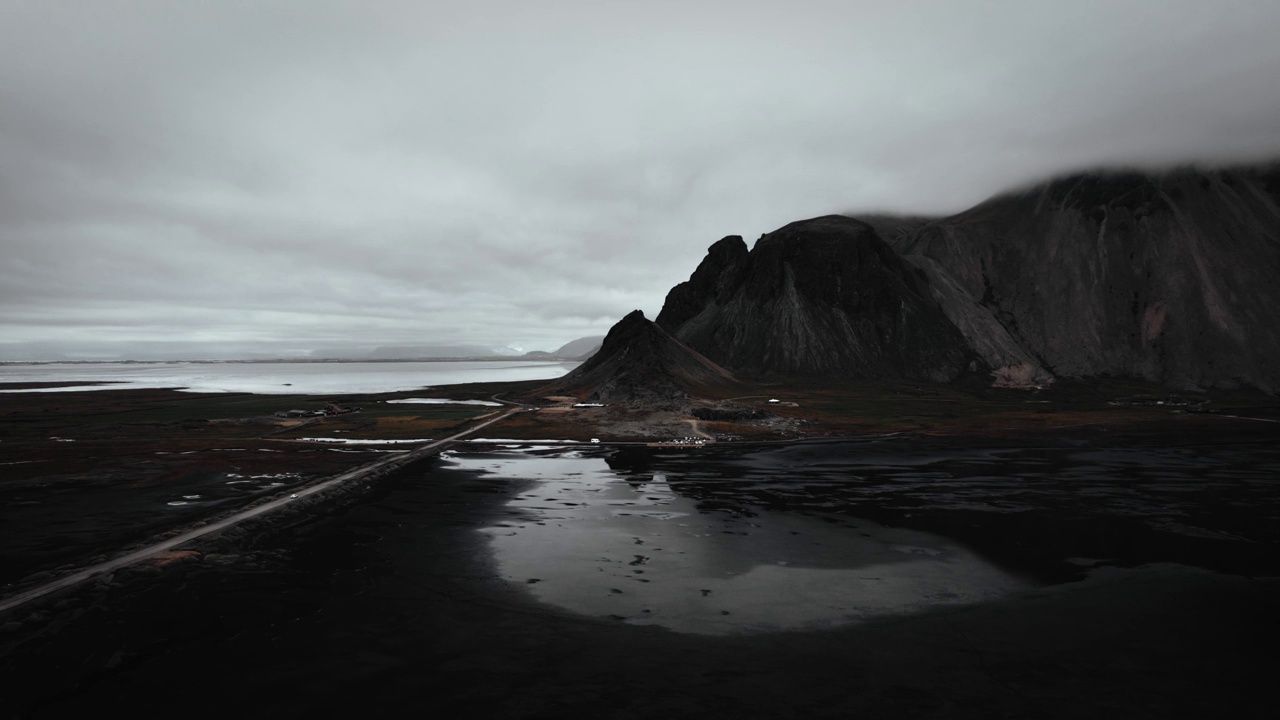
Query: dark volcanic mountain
824, 296
1171, 278
640, 364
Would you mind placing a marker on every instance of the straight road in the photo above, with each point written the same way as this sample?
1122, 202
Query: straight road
114, 564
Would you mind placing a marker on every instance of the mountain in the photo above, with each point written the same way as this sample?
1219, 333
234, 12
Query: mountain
640, 364
402, 352
1170, 277
819, 297
581, 348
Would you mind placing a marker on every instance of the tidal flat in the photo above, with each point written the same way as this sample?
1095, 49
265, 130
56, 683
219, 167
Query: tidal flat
1083, 573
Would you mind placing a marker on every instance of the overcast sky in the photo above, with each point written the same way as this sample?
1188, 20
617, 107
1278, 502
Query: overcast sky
287, 176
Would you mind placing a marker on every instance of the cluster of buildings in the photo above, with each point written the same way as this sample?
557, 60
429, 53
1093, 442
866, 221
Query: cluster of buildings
329, 409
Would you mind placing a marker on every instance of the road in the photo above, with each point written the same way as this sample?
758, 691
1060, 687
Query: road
697, 430
68, 581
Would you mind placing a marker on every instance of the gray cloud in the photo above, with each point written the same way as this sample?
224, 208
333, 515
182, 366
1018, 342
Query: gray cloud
307, 174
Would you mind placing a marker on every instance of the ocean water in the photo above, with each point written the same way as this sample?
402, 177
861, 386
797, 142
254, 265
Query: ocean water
281, 377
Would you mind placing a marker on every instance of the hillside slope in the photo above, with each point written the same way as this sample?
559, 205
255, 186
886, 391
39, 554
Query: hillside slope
1170, 278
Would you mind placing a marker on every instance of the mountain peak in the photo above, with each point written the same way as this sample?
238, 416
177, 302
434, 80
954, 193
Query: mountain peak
823, 296
641, 364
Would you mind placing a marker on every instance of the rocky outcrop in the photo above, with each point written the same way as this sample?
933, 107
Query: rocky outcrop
640, 364
819, 297
1173, 278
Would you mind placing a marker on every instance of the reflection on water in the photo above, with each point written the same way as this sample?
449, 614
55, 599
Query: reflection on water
605, 543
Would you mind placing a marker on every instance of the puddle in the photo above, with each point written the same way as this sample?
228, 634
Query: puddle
593, 541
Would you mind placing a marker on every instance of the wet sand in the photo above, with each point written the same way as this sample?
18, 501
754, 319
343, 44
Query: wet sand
1130, 576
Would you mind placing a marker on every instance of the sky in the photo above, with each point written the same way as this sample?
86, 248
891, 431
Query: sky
294, 179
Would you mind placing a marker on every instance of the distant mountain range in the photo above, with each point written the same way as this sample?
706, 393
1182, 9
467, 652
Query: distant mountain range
402, 352
579, 349
1171, 277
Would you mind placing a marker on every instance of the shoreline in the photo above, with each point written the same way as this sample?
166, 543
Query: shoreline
374, 595
397, 600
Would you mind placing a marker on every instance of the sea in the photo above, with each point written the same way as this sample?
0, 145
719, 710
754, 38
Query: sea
279, 378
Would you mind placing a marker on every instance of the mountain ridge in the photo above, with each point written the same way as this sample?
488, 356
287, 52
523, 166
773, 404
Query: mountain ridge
1170, 277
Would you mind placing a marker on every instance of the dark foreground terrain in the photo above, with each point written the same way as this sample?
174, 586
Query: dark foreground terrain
83, 474
1141, 582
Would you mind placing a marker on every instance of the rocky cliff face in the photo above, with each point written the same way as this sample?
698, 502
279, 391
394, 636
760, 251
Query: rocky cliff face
824, 296
1173, 278
640, 364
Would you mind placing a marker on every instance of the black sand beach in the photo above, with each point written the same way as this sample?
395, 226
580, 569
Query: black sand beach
1136, 597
